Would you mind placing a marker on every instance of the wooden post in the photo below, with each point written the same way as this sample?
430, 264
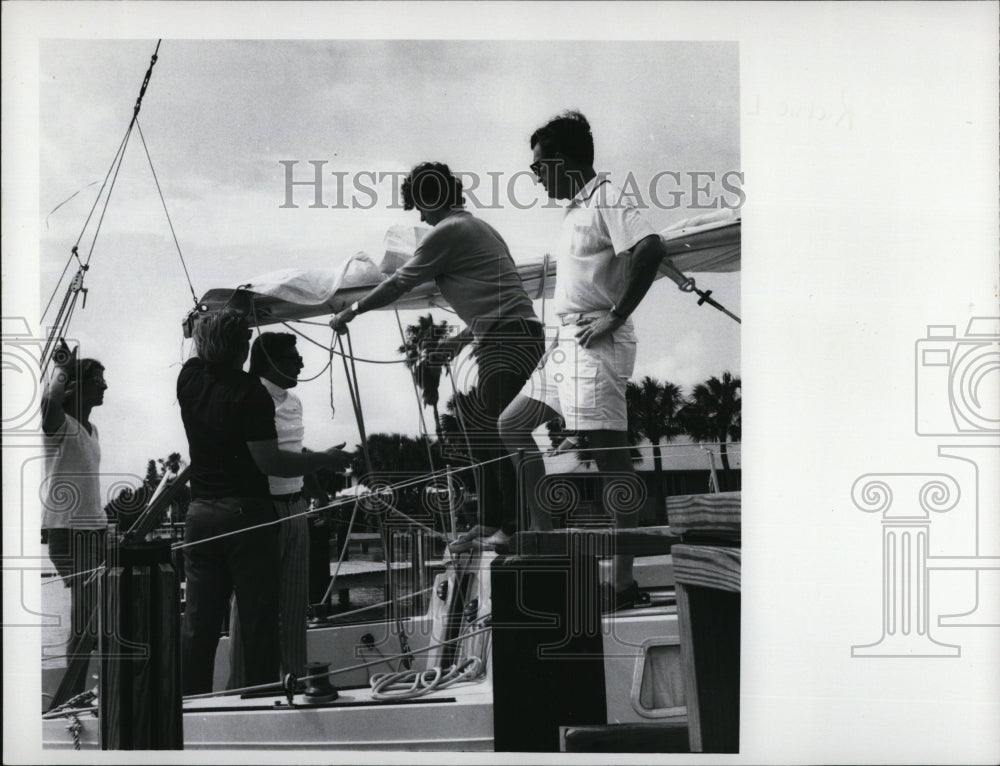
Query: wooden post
708, 610
707, 575
139, 643
548, 651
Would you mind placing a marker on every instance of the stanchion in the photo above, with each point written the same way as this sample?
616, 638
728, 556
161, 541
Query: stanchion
139, 643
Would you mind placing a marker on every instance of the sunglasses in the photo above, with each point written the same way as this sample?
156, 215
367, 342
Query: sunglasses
536, 167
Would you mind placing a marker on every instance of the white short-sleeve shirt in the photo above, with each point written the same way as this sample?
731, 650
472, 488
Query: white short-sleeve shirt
288, 423
600, 226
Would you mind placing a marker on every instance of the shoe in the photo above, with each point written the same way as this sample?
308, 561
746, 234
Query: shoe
497, 539
616, 601
472, 538
569, 444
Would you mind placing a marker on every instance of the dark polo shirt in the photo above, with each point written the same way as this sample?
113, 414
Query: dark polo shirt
223, 409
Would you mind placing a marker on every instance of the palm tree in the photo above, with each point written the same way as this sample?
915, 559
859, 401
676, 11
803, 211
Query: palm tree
417, 337
653, 409
714, 414
463, 410
392, 453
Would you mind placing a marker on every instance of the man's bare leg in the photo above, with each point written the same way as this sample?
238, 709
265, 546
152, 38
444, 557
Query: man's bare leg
517, 423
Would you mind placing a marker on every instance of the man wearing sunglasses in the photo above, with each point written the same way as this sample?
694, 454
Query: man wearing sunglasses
606, 259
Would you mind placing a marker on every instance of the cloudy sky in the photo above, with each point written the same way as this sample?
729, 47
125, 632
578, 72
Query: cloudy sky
219, 117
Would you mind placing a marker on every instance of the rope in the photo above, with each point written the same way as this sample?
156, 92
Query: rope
339, 353
256, 324
72, 705
166, 212
368, 608
351, 374
343, 552
410, 684
93, 572
339, 671
411, 483
114, 162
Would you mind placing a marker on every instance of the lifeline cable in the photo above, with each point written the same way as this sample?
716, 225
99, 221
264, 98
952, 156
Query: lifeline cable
338, 671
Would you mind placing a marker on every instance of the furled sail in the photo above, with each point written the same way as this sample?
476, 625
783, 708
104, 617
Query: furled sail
708, 243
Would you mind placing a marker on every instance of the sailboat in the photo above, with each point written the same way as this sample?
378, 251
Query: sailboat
469, 673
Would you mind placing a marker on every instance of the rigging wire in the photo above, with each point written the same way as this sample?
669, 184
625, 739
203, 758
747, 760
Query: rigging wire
332, 350
166, 212
354, 390
416, 393
61, 324
338, 671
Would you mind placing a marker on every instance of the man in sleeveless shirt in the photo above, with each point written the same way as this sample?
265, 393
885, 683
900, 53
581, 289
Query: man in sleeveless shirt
73, 514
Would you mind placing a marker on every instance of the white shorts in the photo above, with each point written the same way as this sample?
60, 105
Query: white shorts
587, 385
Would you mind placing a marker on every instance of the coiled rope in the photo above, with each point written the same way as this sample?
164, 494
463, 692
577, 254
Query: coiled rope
409, 684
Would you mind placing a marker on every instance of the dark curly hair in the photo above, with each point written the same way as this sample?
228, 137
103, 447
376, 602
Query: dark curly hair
568, 133
83, 369
431, 186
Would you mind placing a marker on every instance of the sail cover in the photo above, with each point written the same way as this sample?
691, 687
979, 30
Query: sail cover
708, 243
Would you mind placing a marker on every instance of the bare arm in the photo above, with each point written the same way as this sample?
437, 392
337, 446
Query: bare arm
53, 414
56, 390
272, 461
647, 255
383, 295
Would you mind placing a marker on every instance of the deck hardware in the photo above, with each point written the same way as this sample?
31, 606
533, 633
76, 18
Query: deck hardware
319, 689
288, 683
471, 610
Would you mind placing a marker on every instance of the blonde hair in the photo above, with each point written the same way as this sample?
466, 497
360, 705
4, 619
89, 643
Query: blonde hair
222, 337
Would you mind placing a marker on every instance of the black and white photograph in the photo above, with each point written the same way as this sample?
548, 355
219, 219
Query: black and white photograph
375, 376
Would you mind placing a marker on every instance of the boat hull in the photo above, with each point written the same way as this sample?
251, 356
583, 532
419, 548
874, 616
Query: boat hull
641, 668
